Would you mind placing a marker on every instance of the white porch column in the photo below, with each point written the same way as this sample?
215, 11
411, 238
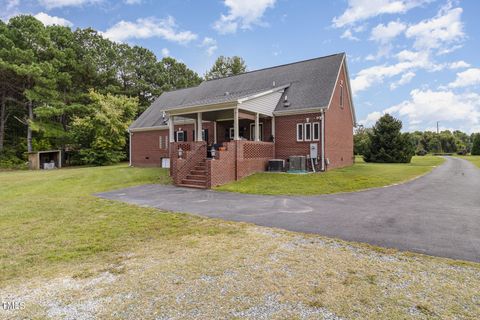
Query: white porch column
273, 127
199, 126
323, 140
171, 129
215, 132
236, 130
257, 127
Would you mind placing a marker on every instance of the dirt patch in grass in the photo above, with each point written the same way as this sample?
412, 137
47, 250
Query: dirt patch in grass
257, 273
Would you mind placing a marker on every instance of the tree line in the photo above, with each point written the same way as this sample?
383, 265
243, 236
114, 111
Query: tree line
385, 142
55, 81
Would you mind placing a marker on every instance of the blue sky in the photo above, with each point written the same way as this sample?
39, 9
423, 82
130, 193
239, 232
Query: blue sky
416, 59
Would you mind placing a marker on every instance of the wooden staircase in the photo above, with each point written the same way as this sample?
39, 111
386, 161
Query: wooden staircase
197, 178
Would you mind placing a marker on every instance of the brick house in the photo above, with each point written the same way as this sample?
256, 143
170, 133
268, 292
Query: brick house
303, 108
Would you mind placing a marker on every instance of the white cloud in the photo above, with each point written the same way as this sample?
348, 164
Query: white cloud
148, 28
408, 62
242, 14
132, 1
371, 119
359, 10
165, 52
210, 44
439, 32
426, 106
52, 20
385, 33
347, 34
50, 4
470, 77
458, 65
406, 78
10, 9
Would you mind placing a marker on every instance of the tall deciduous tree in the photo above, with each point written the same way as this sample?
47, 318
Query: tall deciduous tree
101, 133
387, 144
226, 66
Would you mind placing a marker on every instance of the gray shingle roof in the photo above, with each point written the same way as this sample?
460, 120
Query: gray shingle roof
311, 83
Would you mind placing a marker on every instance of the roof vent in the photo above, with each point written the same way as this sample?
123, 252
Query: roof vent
286, 104
227, 93
285, 98
273, 84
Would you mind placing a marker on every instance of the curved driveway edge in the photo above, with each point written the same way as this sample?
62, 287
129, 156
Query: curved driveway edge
436, 214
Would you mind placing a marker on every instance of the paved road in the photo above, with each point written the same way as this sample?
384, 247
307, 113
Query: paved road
437, 214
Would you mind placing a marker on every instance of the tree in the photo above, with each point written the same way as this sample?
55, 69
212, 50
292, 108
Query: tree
476, 145
361, 140
226, 66
388, 144
101, 133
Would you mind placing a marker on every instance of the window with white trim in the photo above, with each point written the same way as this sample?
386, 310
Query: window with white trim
231, 133
316, 131
180, 135
299, 131
252, 131
308, 132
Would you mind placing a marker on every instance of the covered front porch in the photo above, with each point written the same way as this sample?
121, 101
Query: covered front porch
229, 143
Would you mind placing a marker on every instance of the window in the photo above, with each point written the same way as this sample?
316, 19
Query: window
341, 96
299, 131
308, 132
231, 133
316, 131
252, 131
180, 135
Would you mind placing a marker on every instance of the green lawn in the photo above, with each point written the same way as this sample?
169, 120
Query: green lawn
68, 254
473, 159
357, 177
49, 218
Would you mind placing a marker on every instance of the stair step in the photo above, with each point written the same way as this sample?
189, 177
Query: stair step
200, 168
192, 186
194, 182
198, 172
197, 177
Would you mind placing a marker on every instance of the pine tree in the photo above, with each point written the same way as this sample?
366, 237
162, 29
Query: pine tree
387, 144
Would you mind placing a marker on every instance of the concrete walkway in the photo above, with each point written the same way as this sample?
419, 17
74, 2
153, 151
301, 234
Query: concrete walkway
437, 214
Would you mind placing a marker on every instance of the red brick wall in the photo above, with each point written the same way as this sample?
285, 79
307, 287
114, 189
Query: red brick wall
222, 169
339, 128
286, 143
253, 156
146, 150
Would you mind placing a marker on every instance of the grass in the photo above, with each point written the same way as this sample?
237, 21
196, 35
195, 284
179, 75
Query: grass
473, 159
67, 254
50, 218
357, 177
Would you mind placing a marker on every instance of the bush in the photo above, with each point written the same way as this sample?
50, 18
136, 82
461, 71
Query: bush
387, 144
476, 145
8, 160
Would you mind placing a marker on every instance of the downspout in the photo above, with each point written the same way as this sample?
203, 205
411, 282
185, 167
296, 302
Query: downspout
323, 140
129, 148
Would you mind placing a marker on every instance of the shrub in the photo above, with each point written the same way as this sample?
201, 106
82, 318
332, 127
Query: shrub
476, 145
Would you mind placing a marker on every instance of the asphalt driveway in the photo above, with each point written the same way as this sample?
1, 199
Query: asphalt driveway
437, 214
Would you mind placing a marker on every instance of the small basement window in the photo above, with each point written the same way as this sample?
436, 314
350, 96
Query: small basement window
316, 131
299, 131
308, 132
